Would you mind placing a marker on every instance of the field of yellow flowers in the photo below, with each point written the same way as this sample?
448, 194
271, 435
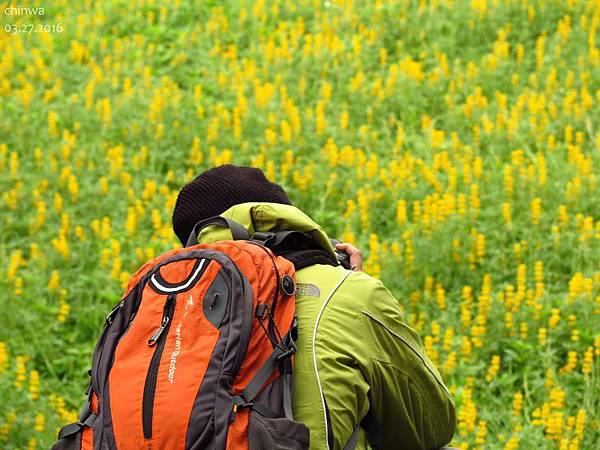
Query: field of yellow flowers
456, 142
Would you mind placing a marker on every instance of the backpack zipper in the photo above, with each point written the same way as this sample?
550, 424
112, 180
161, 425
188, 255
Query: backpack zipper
158, 338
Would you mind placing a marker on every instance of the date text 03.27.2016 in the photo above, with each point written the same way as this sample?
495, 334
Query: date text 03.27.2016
33, 28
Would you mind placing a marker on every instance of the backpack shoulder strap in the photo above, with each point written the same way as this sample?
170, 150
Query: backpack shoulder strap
296, 246
238, 232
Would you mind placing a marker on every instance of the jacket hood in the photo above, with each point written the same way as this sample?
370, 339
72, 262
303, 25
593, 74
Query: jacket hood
258, 216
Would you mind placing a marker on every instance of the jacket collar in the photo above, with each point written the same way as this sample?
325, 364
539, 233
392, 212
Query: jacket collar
256, 216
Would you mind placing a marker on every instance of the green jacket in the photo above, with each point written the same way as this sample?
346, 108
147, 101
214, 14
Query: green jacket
356, 357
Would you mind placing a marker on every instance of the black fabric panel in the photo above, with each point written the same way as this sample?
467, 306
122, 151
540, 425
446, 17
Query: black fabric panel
272, 396
215, 300
308, 257
209, 418
114, 327
72, 442
108, 430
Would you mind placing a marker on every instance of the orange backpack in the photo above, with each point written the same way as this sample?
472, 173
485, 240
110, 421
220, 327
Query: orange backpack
198, 353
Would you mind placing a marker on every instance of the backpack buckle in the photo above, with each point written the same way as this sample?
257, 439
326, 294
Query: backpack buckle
288, 351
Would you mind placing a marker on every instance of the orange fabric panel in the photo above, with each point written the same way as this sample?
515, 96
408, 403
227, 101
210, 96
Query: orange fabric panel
94, 403
179, 272
128, 375
184, 362
87, 439
237, 436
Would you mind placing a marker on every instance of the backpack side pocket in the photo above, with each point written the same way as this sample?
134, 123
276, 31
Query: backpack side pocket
266, 433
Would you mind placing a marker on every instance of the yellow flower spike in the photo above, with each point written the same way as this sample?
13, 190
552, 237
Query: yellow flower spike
13, 164
542, 336
571, 363
52, 120
437, 138
363, 208
124, 279
465, 348
105, 111
18, 286
195, 155
506, 214
131, 221
448, 337
523, 331
435, 330
4, 357
575, 336
34, 385
32, 443
554, 318
480, 436
149, 190
588, 361
103, 185
54, 281
536, 211
493, 369
430, 350
557, 398
105, 229
40, 422
512, 443
450, 363
480, 248
20, 372
440, 298
286, 131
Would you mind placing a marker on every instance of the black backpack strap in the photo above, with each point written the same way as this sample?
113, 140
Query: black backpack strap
296, 246
351, 444
281, 239
67, 434
308, 257
280, 357
238, 232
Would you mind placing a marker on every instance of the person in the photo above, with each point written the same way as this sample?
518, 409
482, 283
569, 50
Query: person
361, 375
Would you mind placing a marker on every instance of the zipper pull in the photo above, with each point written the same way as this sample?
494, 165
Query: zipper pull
113, 312
154, 338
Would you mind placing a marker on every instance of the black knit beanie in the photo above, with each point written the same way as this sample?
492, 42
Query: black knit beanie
218, 189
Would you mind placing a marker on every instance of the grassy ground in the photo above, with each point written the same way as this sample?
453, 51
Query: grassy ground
456, 142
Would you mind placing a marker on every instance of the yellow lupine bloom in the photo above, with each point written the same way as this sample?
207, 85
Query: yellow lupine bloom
3, 357
536, 211
40, 422
493, 369
20, 372
34, 385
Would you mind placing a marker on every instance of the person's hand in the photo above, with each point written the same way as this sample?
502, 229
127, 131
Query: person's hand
353, 253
